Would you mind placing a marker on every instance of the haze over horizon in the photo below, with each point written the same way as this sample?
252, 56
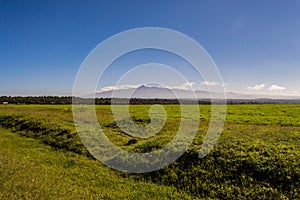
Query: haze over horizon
149, 91
255, 44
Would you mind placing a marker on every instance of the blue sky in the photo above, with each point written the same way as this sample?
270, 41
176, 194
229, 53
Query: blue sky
255, 44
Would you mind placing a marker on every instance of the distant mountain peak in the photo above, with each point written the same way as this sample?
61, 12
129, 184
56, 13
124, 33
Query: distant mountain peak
142, 86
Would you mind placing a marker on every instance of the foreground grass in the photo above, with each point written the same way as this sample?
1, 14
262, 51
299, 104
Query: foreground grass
257, 155
30, 170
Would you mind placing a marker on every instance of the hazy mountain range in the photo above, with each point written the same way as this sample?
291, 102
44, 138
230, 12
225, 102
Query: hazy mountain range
152, 92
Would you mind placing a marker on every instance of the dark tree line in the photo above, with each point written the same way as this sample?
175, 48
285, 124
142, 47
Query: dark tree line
36, 100
107, 101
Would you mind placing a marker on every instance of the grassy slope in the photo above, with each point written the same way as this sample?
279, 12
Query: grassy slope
257, 155
30, 170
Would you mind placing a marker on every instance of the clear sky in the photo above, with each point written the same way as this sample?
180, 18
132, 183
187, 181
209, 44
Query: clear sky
255, 44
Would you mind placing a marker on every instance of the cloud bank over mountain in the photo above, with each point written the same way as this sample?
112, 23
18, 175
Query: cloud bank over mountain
183, 91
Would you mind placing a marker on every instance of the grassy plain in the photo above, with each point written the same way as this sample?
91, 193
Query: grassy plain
257, 155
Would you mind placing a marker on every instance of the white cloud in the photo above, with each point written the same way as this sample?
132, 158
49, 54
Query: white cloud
184, 86
276, 88
118, 87
188, 84
210, 83
257, 87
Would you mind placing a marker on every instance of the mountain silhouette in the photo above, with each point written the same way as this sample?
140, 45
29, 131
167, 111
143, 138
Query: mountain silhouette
153, 92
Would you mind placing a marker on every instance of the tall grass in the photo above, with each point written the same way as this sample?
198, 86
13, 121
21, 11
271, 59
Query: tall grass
257, 156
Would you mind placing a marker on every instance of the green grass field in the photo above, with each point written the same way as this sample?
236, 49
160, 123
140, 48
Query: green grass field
257, 156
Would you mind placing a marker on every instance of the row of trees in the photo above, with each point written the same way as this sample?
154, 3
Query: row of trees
106, 101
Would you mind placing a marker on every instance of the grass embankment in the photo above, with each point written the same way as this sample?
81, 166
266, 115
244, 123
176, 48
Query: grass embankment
257, 156
31, 170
